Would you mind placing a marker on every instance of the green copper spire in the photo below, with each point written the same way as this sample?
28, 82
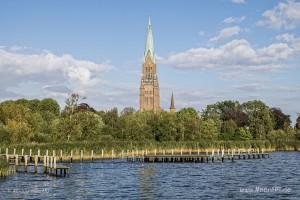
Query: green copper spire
149, 42
172, 105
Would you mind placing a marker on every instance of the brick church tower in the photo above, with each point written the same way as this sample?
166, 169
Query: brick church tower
149, 89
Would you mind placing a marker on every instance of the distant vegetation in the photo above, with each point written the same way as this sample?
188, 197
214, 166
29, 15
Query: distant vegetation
43, 121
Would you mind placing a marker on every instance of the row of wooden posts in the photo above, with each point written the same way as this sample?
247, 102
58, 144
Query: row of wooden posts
123, 154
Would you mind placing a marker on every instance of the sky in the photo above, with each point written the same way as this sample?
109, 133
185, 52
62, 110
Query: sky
206, 51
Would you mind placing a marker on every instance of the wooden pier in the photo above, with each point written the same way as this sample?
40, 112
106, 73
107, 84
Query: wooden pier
199, 157
36, 164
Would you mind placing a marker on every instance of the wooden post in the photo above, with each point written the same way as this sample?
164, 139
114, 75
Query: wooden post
61, 155
45, 164
206, 152
39, 152
164, 152
25, 163
22, 152
53, 153
51, 163
154, 151
47, 158
146, 151
7, 156
54, 162
30, 152
14, 151
16, 161
132, 154
81, 155
102, 153
172, 151
71, 158
198, 151
213, 152
47, 152
222, 153
112, 154
35, 163
122, 154
92, 154
181, 151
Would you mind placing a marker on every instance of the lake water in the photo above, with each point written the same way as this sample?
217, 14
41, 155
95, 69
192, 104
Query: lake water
277, 177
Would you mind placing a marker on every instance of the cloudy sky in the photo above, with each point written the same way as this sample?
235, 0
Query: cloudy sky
207, 51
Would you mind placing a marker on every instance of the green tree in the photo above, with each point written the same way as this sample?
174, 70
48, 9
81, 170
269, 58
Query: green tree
188, 126
208, 129
297, 126
243, 134
281, 120
260, 118
48, 105
229, 128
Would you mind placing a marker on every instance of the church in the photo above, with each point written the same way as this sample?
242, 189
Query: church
149, 88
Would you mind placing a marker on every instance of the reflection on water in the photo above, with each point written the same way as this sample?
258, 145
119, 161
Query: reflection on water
275, 178
147, 181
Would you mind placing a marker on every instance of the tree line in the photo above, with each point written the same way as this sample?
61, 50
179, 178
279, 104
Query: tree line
43, 121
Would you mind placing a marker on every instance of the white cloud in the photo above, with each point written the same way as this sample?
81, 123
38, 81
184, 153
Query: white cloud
236, 54
234, 20
226, 33
291, 39
21, 64
285, 15
238, 1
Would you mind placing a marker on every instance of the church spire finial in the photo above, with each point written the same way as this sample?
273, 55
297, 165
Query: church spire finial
149, 49
172, 106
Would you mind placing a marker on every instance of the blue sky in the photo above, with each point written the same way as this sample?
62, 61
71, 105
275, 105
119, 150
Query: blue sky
207, 51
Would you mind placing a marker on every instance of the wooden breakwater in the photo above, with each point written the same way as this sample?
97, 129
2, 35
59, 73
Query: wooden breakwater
34, 163
200, 157
103, 154
5, 168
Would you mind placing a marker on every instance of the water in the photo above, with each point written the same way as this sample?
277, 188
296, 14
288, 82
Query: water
277, 177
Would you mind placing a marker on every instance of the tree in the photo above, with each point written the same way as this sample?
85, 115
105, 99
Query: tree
49, 106
229, 128
208, 129
243, 134
127, 111
165, 126
260, 120
188, 126
226, 110
297, 126
281, 120
72, 103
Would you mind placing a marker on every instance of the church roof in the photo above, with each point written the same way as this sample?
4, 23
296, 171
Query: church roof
149, 49
172, 106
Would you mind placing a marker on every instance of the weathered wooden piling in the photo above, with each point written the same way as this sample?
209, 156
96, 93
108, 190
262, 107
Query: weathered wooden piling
35, 164
25, 163
71, 156
61, 155
92, 154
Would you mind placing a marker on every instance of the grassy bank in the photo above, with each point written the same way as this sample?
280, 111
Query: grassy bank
4, 168
118, 149
118, 146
